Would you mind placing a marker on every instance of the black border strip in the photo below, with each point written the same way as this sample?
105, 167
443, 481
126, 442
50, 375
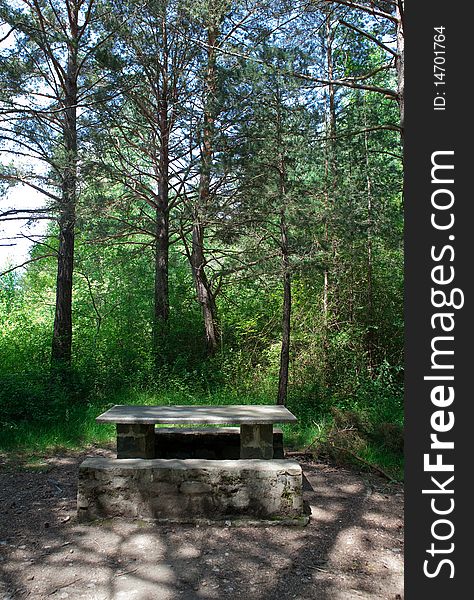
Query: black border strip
428, 131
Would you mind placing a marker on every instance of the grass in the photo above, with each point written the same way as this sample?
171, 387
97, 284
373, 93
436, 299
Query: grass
76, 427
390, 462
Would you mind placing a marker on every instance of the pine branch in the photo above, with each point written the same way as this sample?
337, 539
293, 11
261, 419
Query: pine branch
369, 37
31, 260
311, 78
371, 10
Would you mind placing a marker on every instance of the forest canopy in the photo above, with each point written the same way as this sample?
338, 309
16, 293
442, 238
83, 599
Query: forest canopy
221, 218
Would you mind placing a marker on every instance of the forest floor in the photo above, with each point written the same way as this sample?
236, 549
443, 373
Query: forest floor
352, 547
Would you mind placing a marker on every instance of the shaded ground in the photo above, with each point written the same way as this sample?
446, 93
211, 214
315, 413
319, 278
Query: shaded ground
352, 547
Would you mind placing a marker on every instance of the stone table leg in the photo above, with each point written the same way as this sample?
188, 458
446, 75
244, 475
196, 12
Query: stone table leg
135, 441
256, 441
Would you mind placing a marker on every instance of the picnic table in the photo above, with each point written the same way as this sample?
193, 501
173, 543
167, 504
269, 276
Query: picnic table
136, 425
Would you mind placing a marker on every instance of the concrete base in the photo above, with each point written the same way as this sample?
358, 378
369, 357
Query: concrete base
192, 490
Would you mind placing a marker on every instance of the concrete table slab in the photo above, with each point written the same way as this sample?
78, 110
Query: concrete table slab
135, 425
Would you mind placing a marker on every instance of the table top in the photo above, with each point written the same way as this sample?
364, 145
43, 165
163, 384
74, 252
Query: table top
257, 414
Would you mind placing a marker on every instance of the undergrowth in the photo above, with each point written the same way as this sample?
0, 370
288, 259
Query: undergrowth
44, 416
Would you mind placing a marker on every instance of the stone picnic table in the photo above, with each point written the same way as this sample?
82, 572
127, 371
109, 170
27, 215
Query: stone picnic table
136, 425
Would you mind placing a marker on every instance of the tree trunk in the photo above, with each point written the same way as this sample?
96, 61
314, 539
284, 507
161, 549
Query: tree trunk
204, 292
161, 312
286, 316
370, 342
285, 262
400, 63
330, 173
62, 332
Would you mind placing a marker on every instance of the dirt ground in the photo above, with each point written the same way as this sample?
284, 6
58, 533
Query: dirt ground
352, 547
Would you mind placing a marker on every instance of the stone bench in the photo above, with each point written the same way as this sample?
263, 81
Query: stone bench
191, 490
217, 443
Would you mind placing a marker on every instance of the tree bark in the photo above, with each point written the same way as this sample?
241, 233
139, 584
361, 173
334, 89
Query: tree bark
330, 174
62, 331
328, 167
286, 315
400, 63
161, 311
204, 292
285, 261
370, 341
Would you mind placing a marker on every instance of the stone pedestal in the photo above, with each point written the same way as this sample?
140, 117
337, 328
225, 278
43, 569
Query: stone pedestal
256, 441
135, 441
192, 490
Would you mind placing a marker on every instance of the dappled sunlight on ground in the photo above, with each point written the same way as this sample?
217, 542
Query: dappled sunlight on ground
352, 547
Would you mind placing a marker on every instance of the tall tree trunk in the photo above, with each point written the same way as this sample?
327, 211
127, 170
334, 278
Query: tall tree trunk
370, 302
62, 332
400, 63
203, 288
286, 315
204, 292
329, 167
285, 262
161, 312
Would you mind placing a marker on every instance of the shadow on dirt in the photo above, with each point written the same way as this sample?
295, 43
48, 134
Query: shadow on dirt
352, 547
